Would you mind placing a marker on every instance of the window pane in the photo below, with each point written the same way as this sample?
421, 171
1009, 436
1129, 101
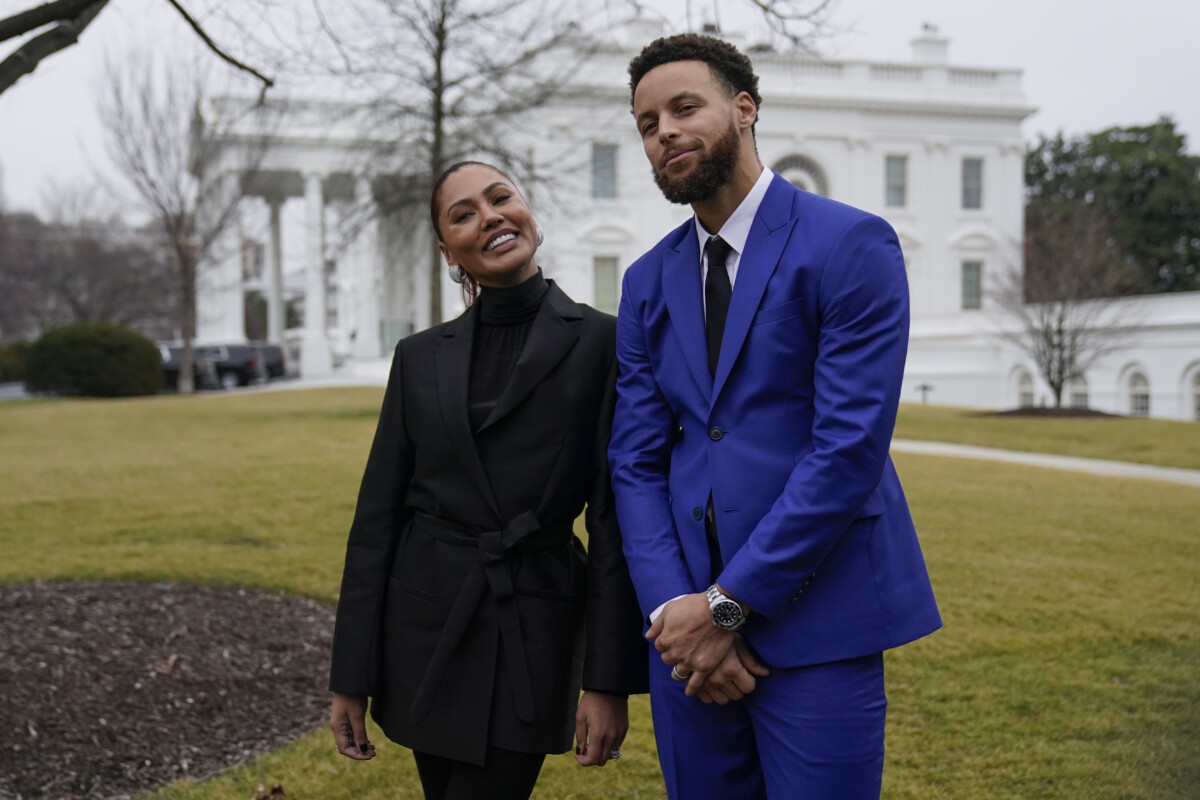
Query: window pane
972, 274
604, 171
1139, 396
897, 181
604, 278
972, 183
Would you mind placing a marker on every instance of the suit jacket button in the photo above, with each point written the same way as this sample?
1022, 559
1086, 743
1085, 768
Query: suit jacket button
697, 513
715, 433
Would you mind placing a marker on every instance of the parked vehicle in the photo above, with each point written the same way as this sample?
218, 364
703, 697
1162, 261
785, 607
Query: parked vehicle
238, 364
204, 371
276, 361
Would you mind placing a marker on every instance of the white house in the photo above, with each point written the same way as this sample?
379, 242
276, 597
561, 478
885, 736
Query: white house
936, 149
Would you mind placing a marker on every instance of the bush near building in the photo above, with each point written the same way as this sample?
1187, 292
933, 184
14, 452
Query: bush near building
12, 361
93, 359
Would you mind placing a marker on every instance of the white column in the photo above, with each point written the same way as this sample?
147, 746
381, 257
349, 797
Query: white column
220, 305
315, 357
276, 319
368, 277
418, 266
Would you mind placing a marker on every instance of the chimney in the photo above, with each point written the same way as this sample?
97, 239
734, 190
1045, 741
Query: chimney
929, 48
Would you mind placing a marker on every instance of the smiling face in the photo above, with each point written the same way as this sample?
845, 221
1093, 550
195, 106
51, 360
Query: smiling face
692, 129
486, 227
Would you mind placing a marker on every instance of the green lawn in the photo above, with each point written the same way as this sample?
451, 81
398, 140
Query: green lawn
1069, 666
1148, 441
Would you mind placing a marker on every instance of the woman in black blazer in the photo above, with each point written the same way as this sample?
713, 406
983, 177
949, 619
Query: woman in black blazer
469, 612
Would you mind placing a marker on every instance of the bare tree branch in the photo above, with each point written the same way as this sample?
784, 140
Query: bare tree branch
267, 82
73, 16
26, 21
25, 58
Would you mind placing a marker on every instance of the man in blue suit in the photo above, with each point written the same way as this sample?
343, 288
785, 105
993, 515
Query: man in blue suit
761, 349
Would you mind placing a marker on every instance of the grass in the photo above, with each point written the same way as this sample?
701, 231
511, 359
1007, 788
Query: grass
1069, 666
1146, 441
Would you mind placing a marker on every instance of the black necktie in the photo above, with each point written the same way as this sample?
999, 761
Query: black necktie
717, 291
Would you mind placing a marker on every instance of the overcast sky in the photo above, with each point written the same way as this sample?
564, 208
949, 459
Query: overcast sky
1088, 64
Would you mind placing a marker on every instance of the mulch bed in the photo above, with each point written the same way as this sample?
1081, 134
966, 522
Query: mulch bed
1050, 411
109, 689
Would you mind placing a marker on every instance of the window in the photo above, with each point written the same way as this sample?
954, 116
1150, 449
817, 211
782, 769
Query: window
1196, 397
1077, 393
897, 182
1025, 390
604, 278
972, 183
1139, 395
972, 276
604, 171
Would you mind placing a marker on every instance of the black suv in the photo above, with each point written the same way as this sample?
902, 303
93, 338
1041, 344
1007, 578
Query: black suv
238, 364
204, 372
276, 362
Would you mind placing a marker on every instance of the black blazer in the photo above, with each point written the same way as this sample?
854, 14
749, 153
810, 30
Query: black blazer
465, 596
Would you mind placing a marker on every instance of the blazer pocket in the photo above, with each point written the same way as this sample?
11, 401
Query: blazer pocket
777, 313
414, 591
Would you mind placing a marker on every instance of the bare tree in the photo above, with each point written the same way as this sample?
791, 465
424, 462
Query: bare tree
454, 79
171, 162
1067, 304
66, 21
82, 265
437, 82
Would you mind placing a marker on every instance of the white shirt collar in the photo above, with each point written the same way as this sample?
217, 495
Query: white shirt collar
736, 229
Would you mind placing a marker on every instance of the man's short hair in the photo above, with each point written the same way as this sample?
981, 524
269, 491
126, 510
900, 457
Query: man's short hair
729, 65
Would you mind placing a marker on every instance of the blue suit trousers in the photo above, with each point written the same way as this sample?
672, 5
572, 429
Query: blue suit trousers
805, 733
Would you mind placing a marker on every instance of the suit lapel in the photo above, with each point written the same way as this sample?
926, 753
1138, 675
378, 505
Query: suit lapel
768, 234
681, 288
452, 368
550, 338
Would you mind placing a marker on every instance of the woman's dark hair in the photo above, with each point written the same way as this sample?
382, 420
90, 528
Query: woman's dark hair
469, 286
730, 66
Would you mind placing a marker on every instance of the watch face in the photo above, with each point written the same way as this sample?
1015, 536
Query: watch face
727, 614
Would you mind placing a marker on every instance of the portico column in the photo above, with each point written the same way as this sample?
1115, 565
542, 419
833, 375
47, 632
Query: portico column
315, 357
367, 294
220, 313
276, 320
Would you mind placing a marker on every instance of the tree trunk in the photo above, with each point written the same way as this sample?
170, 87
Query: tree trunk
187, 277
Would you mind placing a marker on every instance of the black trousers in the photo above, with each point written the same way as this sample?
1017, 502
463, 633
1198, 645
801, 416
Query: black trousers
505, 775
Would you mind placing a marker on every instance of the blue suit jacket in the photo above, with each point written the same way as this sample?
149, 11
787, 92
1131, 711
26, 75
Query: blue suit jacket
790, 436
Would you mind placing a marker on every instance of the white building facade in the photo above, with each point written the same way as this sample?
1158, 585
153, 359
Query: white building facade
935, 149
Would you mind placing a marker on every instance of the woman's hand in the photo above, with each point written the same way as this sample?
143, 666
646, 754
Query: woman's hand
349, 724
600, 727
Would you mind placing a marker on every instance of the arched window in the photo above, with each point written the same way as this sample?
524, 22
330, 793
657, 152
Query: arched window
1025, 390
1077, 393
1139, 395
1196, 396
803, 173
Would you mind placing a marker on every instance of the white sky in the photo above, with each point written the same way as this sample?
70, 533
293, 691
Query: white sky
1088, 64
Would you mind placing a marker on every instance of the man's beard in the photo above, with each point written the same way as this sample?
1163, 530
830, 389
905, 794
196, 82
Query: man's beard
711, 173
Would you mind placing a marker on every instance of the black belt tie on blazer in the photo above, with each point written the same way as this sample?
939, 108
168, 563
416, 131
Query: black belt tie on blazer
523, 534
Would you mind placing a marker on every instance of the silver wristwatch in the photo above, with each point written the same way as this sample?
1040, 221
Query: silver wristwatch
726, 612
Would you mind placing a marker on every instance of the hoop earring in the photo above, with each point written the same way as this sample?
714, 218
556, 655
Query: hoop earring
541, 237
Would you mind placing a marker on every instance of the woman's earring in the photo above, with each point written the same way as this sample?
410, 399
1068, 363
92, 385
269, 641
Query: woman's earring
456, 273
541, 237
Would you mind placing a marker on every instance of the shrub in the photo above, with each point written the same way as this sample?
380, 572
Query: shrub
93, 359
12, 361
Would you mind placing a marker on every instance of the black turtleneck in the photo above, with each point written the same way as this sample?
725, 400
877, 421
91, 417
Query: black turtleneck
501, 326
